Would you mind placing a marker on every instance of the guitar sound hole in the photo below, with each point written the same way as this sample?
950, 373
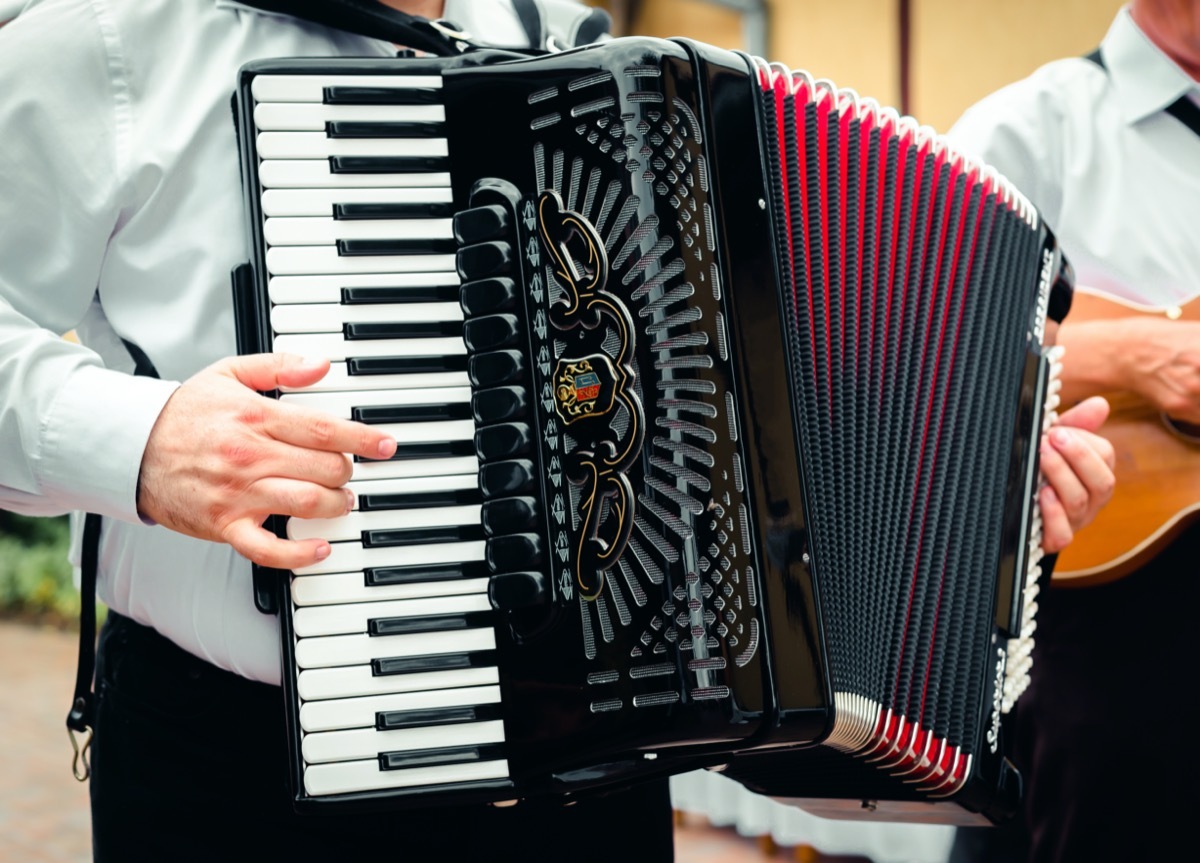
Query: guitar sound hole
1187, 431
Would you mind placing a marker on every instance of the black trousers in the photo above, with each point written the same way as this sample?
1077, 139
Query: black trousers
1106, 731
189, 764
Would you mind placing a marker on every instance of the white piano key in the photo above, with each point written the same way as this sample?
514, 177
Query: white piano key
325, 746
320, 620
341, 403
338, 379
347, 587
347, 713
351, 556
318, 145
325, 779
351, 525
317, 684
312, 116
458, 482
328, 289
432, 432
334, 650
318, 174
315, 231
329, 317
332, 346
320, 202
299, 260
311, 88
414, 467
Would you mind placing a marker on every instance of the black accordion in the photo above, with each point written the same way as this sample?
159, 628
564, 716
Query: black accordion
718, 393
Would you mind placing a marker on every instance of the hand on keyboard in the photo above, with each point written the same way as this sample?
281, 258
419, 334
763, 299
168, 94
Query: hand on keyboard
1078, 466
221, 458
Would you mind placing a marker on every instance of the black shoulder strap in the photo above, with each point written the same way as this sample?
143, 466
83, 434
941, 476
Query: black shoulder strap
1182, 109
372, 18
530, 16
82, 712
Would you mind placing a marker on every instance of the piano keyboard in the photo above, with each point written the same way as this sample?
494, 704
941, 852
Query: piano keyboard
394, 635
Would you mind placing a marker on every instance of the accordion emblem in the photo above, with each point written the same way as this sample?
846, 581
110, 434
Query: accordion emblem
717, 393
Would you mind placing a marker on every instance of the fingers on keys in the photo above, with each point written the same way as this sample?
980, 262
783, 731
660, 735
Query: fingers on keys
1078, 468
258, 544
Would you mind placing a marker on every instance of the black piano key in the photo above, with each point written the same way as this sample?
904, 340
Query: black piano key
381, 295
485, 259
419, 500
382, 626
439, 757
375, 414
405, 365
509, 591
509, 515
414, 129
421, 535
491, 332
388, 164
496, 367
387, 666
362, 248
438, 449
504, 478
392, 211
387, 720
401, 330
479, 224
502, 441
380, 576
382, 96
499, 404
517, 551
484, 296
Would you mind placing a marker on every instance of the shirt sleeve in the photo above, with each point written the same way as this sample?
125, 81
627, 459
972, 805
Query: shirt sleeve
72, 432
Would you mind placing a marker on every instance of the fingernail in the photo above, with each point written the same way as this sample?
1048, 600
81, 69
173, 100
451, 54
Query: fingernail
349, 500
1060, 436
387, 448
322, 551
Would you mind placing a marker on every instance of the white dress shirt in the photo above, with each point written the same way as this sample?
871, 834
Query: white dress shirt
121, 214
1114, 175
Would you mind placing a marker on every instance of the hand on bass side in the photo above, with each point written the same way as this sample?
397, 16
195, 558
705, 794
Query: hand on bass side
221, 458
1078, 466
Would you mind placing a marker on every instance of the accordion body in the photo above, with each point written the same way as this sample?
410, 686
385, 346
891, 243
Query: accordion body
717, 392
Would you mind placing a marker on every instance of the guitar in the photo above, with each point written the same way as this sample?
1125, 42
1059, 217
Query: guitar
1157, 492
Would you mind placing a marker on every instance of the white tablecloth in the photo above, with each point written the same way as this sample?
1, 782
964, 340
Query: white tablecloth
725, 803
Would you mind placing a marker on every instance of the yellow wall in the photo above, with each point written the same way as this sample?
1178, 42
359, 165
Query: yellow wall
960, 50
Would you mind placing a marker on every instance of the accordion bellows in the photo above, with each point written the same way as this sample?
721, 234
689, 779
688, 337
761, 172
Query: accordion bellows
718, 392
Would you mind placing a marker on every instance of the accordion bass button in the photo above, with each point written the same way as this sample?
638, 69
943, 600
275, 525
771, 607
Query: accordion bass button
495, 368
499, 404
479, 224
503, 440
482, 260
512, 590
508, 515
503, 478
485, 296
515, 552
491, 332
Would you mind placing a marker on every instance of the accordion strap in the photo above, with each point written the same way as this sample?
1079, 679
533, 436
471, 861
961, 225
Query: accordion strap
82, 713
375, 20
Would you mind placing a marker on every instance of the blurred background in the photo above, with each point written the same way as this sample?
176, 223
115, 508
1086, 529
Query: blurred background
928, 58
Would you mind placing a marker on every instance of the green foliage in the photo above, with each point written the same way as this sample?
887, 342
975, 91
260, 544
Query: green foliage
35, 577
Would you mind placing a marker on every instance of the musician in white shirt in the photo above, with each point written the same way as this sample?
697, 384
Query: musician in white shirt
1102, 154
120, 207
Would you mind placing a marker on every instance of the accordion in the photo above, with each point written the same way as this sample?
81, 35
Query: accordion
717, 393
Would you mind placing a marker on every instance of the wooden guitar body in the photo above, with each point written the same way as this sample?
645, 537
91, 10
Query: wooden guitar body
1157, 491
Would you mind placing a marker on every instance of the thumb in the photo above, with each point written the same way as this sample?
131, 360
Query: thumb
1088, 415
264, 372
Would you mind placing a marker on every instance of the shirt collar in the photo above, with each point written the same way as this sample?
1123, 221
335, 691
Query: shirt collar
1145, 79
